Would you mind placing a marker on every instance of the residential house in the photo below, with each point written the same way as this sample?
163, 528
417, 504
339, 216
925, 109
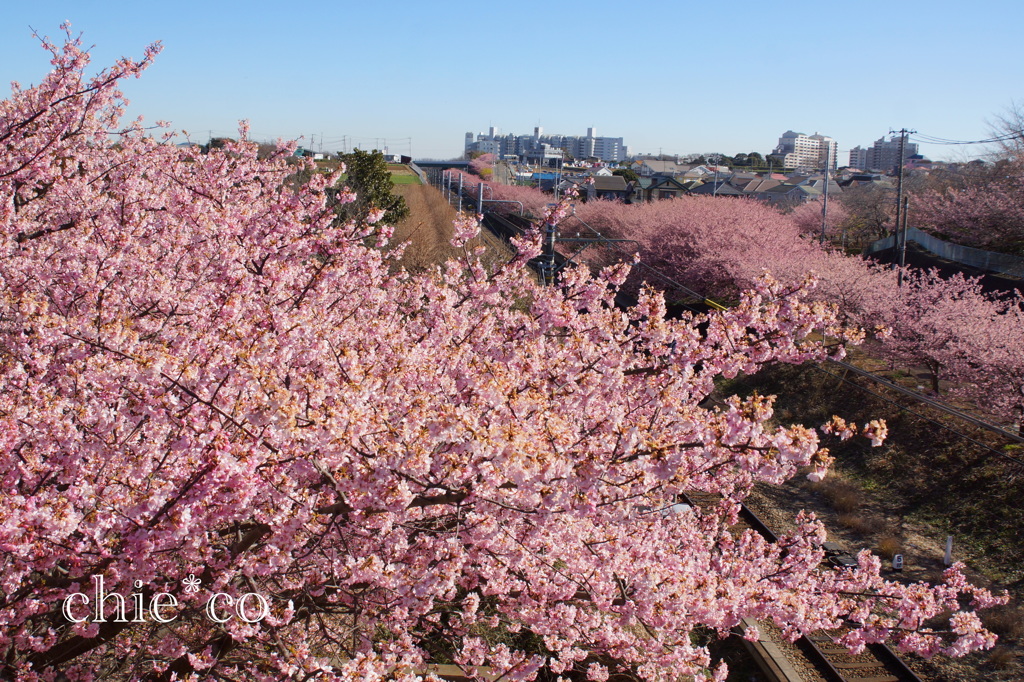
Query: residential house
719, 188
759, 185
654, 167
787, 193
662, 187
610, 187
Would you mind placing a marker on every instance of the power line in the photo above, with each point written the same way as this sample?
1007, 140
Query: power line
916, 396
929, 139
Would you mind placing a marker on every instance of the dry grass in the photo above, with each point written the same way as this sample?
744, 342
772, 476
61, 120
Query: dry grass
1006, 621
1000, 658
925, 486
858, 523
844, 497
888, 546
939, 621
428, 229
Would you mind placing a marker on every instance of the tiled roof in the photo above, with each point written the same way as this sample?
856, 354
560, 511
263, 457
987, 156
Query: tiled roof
615, 183
665, 166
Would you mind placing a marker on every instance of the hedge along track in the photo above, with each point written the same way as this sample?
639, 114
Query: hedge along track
878, 662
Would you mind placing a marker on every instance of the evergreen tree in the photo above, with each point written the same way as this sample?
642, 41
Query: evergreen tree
627, 173
368, 177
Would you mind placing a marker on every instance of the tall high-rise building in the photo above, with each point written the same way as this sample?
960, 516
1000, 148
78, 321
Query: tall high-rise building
884, 155
858, 158
807, 151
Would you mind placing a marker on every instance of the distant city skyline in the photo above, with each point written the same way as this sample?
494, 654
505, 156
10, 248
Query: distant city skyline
676, 79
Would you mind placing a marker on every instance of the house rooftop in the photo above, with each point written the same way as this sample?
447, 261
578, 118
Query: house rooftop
612, 183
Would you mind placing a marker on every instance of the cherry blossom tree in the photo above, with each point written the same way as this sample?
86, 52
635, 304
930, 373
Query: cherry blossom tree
534, 201
871, 209
482, 166
930, 319
983, 209
807, 217
237, 442
720, 248
986, 359
708, 243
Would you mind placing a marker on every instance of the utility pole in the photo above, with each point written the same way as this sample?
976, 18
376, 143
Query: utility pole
548, 257
714, 159
548, 263
824, 198
558, 176
903, 243
899, 198
899, 182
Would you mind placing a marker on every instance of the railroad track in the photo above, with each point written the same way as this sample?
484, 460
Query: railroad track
878, 662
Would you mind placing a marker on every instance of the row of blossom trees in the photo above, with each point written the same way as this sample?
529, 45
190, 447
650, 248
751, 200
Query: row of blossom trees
961, 334
980, 204
720, 246
237, 442
980, 207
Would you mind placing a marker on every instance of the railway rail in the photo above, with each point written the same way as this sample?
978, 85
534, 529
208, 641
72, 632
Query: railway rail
878, 662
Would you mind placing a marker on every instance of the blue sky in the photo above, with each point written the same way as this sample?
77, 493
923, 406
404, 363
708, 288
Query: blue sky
675, 77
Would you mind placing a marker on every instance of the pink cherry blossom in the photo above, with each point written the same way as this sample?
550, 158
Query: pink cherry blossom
204, 377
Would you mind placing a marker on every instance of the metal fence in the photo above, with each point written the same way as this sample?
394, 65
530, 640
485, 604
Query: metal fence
419, 171
978, 258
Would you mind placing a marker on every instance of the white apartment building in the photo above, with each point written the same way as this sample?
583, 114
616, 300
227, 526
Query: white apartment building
858, 158
883, 156
579, 147
807, 151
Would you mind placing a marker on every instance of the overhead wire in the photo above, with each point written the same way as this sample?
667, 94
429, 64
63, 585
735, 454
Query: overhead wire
918, 414
929, 139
